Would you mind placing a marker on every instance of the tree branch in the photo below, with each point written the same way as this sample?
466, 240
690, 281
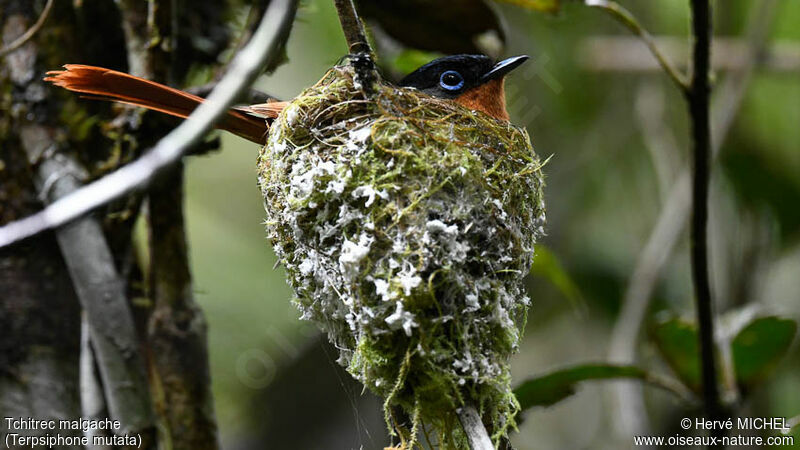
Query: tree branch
352, 27
626, 54
93, 403
473, 427
20, 41
169, 150
102, 296
360, 52
627, 19
675, 212
698, 97
134, 25
176, 329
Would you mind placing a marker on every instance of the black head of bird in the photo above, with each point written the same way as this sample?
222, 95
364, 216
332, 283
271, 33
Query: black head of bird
474, 81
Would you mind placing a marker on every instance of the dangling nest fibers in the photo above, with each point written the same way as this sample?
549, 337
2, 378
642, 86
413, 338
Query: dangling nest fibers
406, 225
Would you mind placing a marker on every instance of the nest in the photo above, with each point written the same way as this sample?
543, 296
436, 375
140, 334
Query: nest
406, 225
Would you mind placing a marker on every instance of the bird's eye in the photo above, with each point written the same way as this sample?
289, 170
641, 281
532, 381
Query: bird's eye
451, 80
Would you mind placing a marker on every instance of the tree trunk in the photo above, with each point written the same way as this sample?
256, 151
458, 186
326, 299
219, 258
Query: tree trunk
40, 316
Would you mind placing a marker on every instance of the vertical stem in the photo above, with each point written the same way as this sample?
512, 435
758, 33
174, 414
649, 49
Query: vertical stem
134, 24
102, 295
361, 54
352, 27
477, 436
698, 97
177, 329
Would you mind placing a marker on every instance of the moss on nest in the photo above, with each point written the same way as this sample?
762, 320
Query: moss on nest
406, 225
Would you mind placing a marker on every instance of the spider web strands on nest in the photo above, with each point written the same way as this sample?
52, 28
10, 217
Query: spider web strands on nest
406, 224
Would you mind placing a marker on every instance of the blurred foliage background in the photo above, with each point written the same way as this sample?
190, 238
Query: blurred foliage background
616, 139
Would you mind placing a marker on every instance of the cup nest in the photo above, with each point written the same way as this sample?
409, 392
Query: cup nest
406, 225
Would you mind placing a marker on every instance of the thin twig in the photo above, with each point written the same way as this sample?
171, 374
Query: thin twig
360, 52
26, 36
169, 150
699, 111
93, 404
627, 19
658, 138
626, 54
675, 213
673, 386
352, 27
477, 436
656, 252
102, 296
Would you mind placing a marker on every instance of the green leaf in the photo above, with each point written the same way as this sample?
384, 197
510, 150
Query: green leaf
547, 265
676, 340
548, 6
759, 347
551, 388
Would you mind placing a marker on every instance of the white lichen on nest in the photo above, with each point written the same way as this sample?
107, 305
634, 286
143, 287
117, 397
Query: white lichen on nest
406, 225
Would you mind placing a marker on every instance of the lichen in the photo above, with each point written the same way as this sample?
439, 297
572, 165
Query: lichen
406, 225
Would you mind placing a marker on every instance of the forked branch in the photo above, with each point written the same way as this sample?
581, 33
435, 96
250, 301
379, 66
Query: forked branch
262, 49
623, 16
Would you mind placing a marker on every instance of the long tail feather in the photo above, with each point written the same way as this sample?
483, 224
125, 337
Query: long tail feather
111, 85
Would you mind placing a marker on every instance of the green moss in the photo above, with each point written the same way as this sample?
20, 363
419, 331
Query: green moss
406, 225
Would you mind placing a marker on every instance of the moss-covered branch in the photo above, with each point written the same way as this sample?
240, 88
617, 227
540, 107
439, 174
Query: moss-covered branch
102, 295
243, 71
176, 333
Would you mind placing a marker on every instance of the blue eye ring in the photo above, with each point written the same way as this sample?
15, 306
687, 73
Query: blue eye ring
453, 76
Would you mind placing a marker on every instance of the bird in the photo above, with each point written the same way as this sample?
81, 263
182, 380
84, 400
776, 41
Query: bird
474, 81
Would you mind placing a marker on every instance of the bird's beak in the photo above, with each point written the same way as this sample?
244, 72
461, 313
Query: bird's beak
503, 67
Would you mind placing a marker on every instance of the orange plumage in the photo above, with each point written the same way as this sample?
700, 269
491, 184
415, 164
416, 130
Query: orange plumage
478, 86
489, 97
97, 82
